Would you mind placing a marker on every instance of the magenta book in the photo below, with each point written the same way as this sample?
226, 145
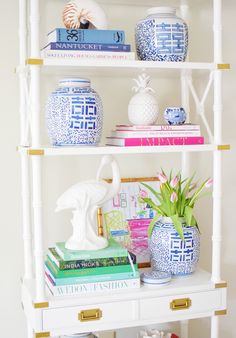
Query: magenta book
154, 141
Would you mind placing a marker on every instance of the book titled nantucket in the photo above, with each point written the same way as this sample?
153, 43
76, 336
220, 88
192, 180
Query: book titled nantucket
87, 36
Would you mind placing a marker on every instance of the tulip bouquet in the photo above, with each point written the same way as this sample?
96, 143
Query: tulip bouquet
176, 200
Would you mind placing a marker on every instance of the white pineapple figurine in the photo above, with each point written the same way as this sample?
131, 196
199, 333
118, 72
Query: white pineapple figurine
143, 107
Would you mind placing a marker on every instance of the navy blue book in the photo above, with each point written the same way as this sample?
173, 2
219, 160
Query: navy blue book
87, 36
114, 47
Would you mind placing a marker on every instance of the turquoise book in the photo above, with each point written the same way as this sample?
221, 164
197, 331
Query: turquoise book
90, 279
114, 249
87, 36
88, 271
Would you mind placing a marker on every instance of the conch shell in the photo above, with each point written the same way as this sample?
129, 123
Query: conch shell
84, 14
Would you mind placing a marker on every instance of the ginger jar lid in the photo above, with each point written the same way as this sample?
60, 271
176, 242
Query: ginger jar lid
74, 82
161, 10
156, 277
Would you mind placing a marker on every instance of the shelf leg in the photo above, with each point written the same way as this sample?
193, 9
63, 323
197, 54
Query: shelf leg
38, 237
27, 233
184, 328
30, 332
214, 327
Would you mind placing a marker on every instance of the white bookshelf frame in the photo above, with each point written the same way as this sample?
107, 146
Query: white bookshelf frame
36, 301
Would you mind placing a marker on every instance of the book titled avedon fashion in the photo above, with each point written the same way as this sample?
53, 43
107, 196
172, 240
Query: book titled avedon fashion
86, 55
87, 35
154, 141
93, 287
88, 46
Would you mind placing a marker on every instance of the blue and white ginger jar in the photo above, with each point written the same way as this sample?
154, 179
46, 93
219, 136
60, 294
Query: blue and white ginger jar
175, 115
169, 252
162, 36
74, 114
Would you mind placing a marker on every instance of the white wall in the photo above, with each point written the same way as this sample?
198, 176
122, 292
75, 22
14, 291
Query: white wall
12, 322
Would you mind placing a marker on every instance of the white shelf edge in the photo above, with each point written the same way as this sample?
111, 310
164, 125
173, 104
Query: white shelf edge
199, 281
130, 64
103, 150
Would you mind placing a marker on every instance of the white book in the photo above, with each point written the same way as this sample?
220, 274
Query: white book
158, 127
86, 55
94, 287
154, 133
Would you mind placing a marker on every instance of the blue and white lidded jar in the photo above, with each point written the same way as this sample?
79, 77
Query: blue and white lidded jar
162, 36
175, 115
169, 253
74, 114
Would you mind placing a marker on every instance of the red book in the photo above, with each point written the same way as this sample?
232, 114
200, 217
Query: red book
154, 141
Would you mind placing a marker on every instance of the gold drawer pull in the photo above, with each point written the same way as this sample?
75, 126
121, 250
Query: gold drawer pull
92, 314
180, 304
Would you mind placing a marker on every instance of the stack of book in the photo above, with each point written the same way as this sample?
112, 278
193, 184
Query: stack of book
99, 44
155, 135
70, 272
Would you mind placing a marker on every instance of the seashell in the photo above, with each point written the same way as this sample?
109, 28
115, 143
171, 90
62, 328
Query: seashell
84, 14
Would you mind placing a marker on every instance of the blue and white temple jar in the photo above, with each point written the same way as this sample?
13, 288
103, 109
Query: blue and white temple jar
162, 36
74, 114
175, 115
169, 252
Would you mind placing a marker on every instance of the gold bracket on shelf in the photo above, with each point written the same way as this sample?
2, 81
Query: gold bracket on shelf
38, 62
42, 334
38, 152
223, 147
40, 305
88, 315
221, 285
223, 66
180, 304
220, 312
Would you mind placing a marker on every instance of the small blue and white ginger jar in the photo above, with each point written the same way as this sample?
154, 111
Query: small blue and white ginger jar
74, 114
162, 36
169, 252
175, 115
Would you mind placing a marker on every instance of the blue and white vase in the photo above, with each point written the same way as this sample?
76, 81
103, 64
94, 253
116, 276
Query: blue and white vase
162, 36
74, 114
175, 115
169, 252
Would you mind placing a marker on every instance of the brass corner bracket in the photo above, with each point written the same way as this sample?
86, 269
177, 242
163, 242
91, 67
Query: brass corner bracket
223, 66
220, 312
32, 61
223, 147
221, 285
38, 152
41, 305
41, 334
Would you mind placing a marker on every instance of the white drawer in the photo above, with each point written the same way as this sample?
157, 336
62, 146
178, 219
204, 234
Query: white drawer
187, 304
96, 314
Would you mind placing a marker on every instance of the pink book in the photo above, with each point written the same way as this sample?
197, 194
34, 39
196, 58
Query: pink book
154, 141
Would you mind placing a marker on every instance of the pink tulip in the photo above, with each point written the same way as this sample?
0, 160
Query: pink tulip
162, 178
174, 182
209, 183
143, 193
174, 197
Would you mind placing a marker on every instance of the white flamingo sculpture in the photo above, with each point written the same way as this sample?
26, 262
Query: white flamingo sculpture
86, 197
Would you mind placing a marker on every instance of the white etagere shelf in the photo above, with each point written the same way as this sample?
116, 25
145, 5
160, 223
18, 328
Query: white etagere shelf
104, 150
123, 68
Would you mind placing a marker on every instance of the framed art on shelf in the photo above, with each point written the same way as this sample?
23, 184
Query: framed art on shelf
126, 218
